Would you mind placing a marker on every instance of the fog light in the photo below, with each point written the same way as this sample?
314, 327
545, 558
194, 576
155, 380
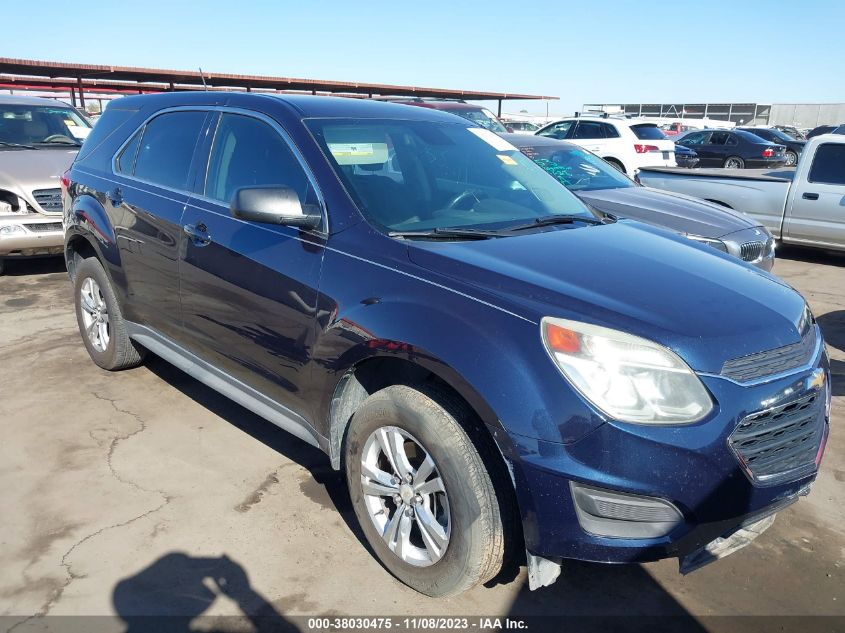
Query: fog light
621, 515
11, 229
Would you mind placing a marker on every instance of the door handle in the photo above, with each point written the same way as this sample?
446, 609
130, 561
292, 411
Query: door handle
810, 196
198, 234
115, 196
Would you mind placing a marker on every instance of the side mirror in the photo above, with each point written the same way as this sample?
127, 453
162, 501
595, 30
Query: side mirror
274, 205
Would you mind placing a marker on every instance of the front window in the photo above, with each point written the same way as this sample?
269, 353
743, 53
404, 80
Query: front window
578, 169
425, 175
41, 126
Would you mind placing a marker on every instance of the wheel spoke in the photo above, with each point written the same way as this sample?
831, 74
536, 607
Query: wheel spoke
87, 303
392, 527
423, 472
427, 487
403, 536
104, 335
433, 534
90, 330
377, 482
393, 446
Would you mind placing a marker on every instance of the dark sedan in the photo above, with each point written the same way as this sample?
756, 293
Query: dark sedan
685, 157
733, 149
607, 189
793, 146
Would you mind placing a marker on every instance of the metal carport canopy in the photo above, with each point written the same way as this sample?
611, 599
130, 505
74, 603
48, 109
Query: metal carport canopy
64, 76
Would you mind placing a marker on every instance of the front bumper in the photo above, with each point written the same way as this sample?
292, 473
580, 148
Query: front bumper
691, 468
31, 235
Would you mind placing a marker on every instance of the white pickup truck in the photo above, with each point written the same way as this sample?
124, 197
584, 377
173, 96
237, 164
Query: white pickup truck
802, 205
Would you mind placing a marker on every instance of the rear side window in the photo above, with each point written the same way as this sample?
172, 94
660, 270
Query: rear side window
167, 147
648, 132
718, 138
829, 164
588, 129
248, 153
610, 131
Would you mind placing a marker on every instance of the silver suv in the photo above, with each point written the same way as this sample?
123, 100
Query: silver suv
39, 139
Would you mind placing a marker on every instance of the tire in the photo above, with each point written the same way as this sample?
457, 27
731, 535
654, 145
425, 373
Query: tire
471, 535
791, 158
100, 320
734, 162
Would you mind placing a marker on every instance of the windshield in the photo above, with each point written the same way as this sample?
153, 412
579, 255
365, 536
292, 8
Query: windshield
484, 118
37, 125
422, 175
578, 169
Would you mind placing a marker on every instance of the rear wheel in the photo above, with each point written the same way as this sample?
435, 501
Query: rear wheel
100, 320
422, 494
734, 162
791, 158
615, 163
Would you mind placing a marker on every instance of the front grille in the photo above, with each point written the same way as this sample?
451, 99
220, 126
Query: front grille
772, 361
780, 443
43, 227
50, 200
752, 251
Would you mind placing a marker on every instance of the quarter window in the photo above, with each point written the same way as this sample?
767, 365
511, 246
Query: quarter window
167, 147
126, 160
610, 131
249, 153
829, 164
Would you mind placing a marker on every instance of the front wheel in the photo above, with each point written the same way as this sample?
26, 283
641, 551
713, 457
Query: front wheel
422, 494
791, 159
734, 162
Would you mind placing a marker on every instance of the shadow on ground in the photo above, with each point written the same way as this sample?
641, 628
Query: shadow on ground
809, 255
33, 266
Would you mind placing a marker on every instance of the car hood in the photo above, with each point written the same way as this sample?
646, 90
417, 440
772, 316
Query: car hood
23, 170
701, 303
677, 212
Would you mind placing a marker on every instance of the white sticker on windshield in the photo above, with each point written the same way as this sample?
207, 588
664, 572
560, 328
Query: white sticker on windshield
496, 142
359, 153
79, 131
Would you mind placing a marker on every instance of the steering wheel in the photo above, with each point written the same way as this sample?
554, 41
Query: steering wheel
464, 195
59, 137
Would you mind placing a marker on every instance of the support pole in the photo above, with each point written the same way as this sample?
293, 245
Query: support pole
500, 109
73, 97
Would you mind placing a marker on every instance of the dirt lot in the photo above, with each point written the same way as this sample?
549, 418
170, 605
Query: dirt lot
124, 493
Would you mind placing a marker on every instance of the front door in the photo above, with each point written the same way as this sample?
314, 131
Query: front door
249, 289
817, 204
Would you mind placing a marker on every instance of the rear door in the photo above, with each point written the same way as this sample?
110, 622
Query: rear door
249, 289
589, 135
816, 209
152, 172
716, 148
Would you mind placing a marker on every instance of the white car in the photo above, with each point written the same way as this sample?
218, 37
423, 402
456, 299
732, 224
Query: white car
625, 144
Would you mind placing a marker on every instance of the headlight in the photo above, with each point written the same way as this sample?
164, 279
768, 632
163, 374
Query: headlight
717, 244
629, 378
11, 229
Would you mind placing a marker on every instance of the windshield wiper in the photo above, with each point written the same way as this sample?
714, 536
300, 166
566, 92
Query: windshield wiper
470, 234
20, 145
68, 142
549, 220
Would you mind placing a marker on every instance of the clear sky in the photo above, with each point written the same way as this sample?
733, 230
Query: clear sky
582, 52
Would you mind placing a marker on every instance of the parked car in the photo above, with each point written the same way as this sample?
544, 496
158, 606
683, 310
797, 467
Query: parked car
673, 129
821, 129
791, 131
733, 149
464, 338
604, 188
470, 112
38, 141
799, 206
685, 157
793, 146
521, 127
624, 144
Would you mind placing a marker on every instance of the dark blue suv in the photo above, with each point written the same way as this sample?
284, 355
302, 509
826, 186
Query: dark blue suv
497, 368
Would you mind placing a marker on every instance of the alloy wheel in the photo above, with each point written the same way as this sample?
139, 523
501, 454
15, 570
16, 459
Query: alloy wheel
95, 314
405, 496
